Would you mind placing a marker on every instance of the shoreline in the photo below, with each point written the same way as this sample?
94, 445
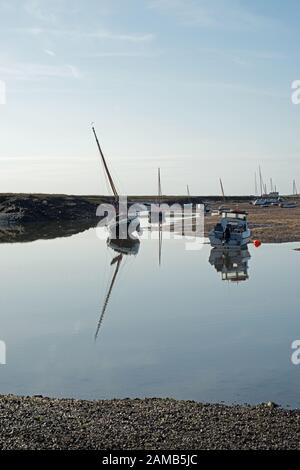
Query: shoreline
54, 213
148, 424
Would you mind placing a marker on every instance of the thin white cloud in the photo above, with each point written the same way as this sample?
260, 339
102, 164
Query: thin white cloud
122, 37
133, 54
100, 34
221, 14
40, 10
21, 71
241, 57
239, 88
49, 52
74, 71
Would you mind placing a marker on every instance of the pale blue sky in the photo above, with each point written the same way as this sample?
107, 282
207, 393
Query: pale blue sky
201, 88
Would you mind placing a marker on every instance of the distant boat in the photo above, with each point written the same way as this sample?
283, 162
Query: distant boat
123, 224
231, 230
288, 205
222, 209
267, 201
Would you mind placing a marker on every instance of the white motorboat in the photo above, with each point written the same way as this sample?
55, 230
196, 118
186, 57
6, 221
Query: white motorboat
231, 230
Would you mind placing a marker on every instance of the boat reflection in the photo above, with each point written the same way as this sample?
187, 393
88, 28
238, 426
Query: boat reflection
123, 248
128, 246
232, 263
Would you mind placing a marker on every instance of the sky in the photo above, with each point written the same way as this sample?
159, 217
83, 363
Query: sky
199, 88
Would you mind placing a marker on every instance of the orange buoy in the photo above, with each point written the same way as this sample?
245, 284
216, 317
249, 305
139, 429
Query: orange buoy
257, 243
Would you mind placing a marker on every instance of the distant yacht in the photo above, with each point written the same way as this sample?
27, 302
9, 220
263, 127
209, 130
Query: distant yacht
123, 224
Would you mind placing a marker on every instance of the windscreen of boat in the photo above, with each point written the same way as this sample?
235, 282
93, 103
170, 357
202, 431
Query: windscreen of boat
233, 215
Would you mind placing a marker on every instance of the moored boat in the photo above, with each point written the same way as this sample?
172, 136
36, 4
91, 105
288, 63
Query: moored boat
231, 230
123, 224
288, 205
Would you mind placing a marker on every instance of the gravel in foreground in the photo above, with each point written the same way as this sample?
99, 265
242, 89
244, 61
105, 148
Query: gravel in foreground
153, 424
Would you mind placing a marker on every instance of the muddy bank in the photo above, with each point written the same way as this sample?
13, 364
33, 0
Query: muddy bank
39, 208
270, 225
43, 423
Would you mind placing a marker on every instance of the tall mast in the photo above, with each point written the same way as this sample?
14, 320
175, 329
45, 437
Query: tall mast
112, 184
188, 190
222, 189
261, 182
159, 184
256, 192
295, 191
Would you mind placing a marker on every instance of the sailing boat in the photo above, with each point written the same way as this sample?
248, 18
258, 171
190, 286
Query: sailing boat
123, 248
123, 224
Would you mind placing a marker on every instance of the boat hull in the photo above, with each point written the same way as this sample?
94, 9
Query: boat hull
235, 240
124, 228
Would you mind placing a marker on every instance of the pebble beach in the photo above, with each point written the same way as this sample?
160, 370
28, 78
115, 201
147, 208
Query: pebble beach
147, 424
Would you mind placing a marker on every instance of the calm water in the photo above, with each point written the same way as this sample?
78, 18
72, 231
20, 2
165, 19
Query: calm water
175, 330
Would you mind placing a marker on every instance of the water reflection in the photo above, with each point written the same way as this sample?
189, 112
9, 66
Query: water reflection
126, 247
232, 263
175, 331
18, 233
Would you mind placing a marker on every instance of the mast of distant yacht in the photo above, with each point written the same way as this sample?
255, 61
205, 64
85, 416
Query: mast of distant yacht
222, 189
159, 185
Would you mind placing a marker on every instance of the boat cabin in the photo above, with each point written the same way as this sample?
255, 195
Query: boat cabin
235, 215
234, 221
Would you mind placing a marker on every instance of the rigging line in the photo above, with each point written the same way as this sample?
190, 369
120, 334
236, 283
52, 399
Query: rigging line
116, 178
